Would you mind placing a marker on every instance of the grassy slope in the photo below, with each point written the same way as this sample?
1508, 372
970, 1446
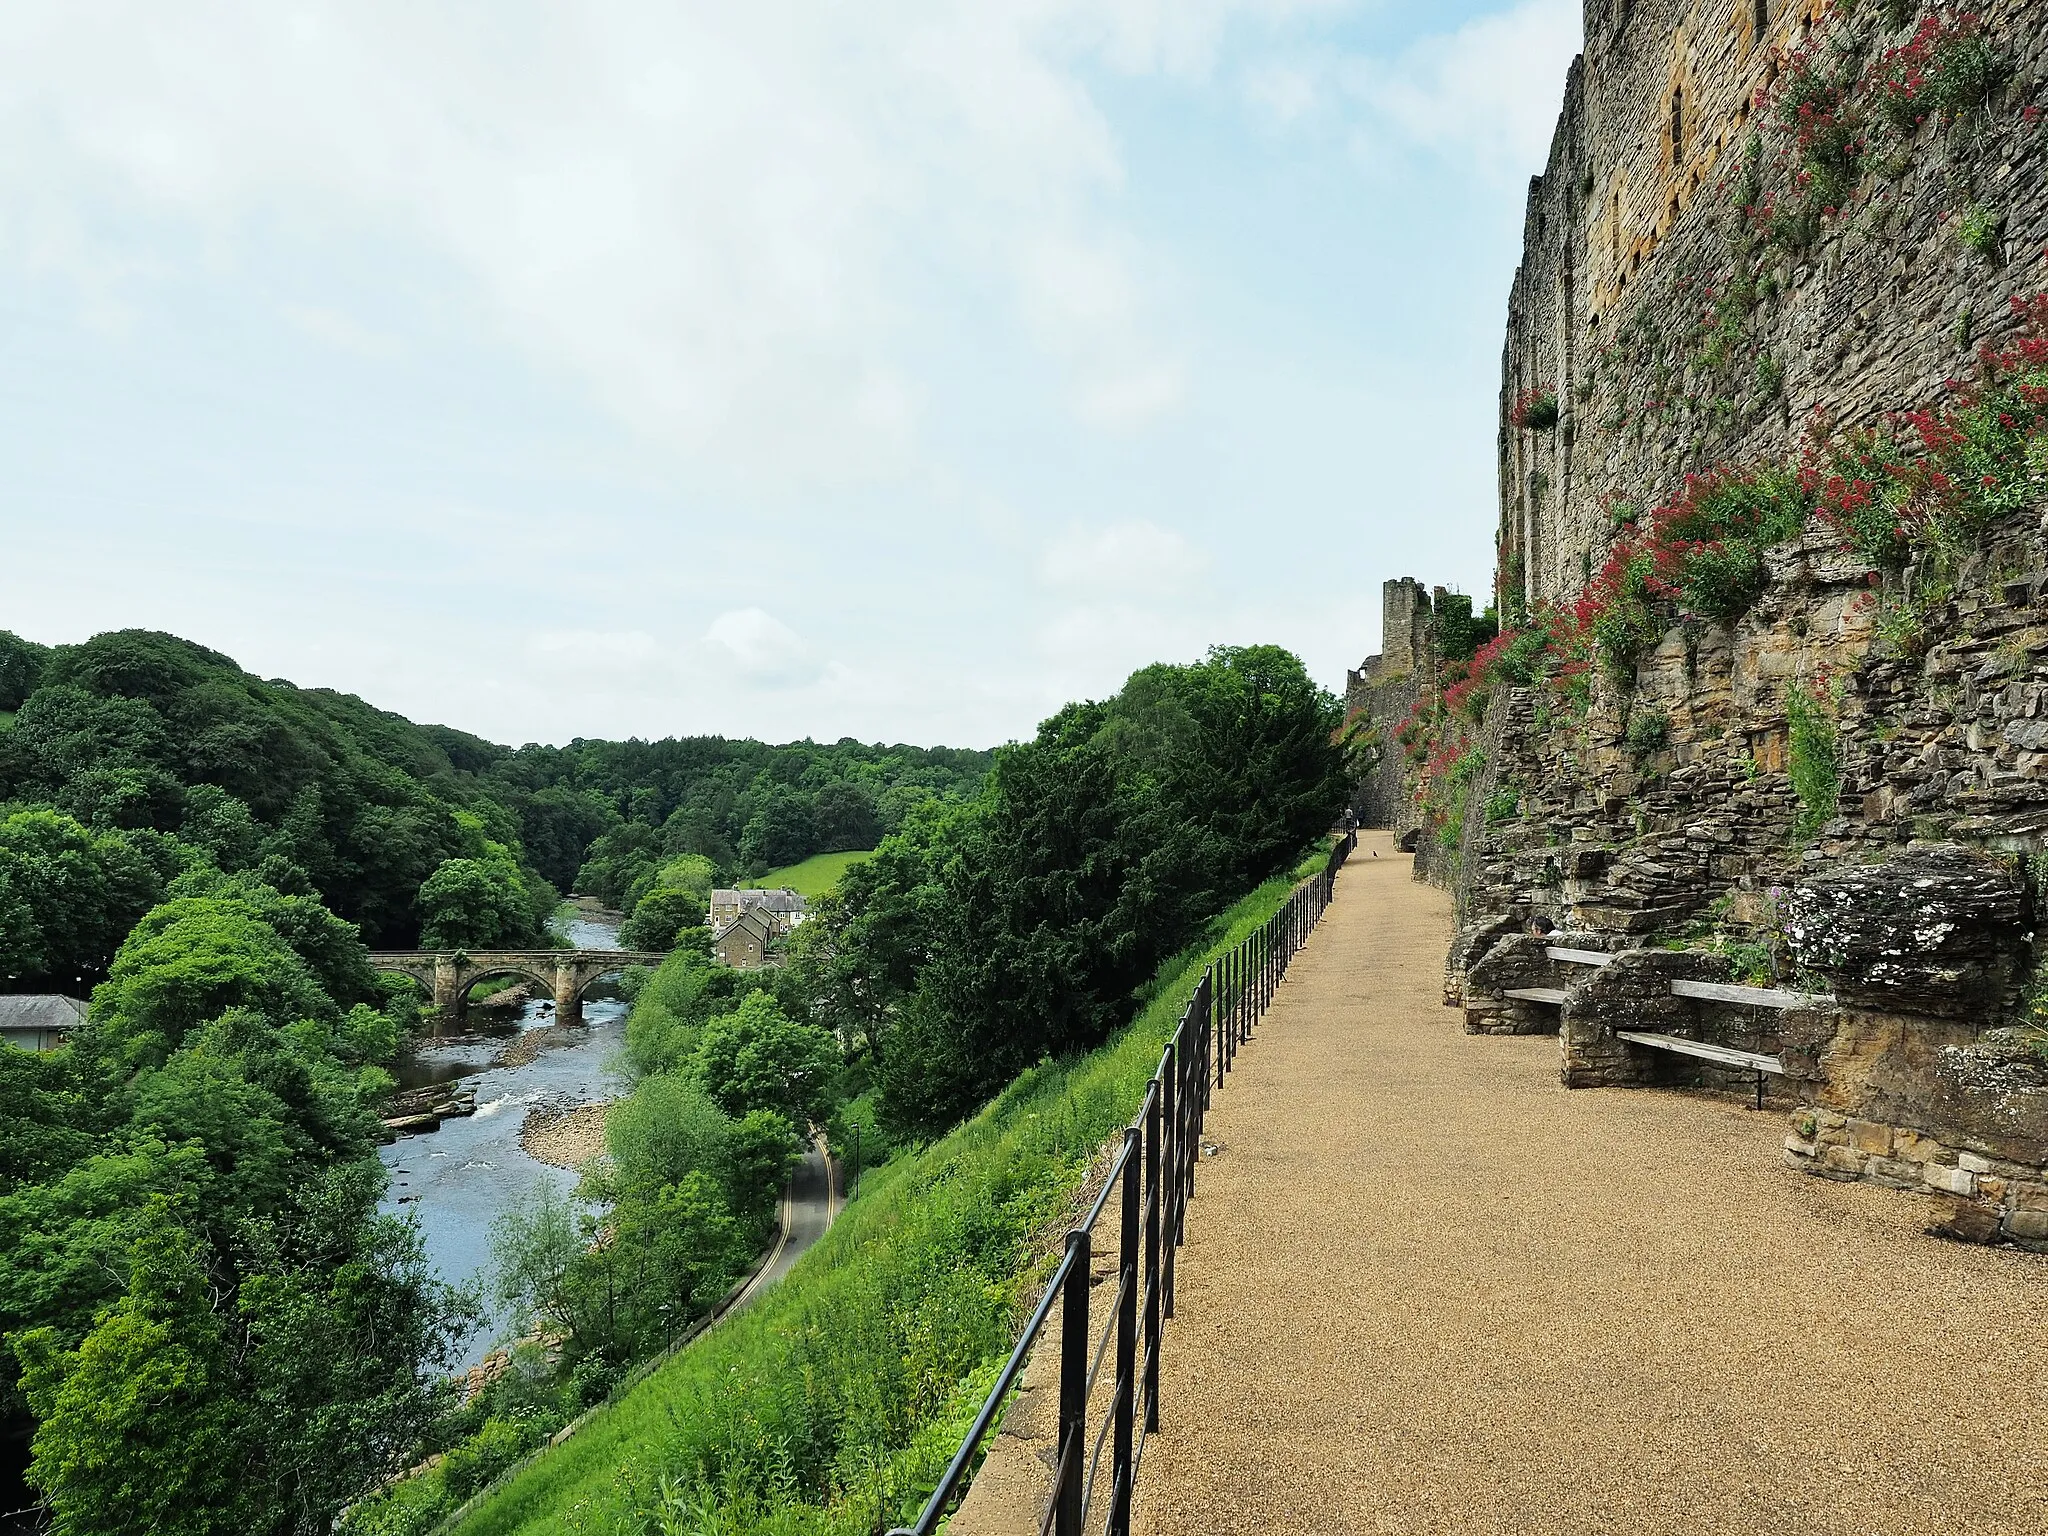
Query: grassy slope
814, 877
898, 1317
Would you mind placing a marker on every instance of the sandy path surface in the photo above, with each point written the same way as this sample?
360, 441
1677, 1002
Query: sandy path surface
1426, 1289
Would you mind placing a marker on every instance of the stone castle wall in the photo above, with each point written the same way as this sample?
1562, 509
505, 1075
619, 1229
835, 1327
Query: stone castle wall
1675, 340
1383, 689
1629, 246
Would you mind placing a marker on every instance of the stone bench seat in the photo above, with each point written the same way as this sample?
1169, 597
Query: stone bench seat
1552, 995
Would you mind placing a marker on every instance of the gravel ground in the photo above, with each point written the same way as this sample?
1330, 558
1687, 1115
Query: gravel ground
1426, 1289
567, 1138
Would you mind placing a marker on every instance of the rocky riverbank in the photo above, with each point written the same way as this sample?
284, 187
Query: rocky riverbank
565, 1136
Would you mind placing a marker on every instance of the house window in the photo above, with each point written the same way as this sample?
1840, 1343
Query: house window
1677, 124
1760, 18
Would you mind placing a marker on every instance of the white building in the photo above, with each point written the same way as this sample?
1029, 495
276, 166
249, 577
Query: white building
39, 1021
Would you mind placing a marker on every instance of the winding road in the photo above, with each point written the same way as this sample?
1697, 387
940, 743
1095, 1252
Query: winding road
808, 1206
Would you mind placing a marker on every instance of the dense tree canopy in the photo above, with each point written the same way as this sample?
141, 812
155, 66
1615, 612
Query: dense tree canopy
319, 793
207, 1322
984, 936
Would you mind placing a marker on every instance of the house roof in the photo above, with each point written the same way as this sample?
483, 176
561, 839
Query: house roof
781, 900
41, 1010
761, 927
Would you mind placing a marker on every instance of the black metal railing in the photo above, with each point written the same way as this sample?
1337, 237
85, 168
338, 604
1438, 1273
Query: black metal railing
1151, 1181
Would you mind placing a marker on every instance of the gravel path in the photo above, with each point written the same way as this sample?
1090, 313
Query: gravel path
1426, 1289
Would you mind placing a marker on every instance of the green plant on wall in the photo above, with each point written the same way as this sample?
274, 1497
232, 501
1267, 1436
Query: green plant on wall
1815, 755
2034, 1006
1979, 228
1649, 730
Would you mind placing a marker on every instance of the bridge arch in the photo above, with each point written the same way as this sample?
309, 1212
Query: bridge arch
467, 983
563, 973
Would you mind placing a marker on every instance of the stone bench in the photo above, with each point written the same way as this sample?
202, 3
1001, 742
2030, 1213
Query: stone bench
1517, 987
1645, 1008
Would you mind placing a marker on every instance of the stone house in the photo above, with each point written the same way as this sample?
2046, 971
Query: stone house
783, 907
747, 943
39, 1021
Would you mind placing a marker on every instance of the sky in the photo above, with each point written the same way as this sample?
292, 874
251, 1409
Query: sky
801, 368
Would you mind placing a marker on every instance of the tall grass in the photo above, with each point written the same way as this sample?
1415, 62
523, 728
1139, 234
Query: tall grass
830, 1406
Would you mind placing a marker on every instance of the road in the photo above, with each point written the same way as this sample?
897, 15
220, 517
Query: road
808, 1207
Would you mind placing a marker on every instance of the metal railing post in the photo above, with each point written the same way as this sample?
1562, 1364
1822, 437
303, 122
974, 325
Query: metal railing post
1070, 1467
1121, 1469
1169, 1151
1152, 1213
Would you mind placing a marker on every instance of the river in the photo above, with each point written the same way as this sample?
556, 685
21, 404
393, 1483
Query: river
459, 1179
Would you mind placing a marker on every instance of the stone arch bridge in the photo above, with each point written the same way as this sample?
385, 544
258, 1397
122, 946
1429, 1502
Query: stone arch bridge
563, 973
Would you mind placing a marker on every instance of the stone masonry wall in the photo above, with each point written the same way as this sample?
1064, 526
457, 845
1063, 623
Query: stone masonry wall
1629, 243
1384, 688
1913, 905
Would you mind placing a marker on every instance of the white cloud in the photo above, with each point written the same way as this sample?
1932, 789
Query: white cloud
1125, 557
762, 649
342, 333
715, 216
1488, 90
1484, 94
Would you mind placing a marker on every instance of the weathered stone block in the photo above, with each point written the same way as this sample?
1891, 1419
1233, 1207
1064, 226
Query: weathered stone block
1933, 930
1893, 1174
1952, 1181
1969, 1221
2027, 1226
1916, 1148
1845, 1162
1870, 1138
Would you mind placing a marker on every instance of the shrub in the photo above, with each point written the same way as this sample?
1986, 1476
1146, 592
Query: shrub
1770, 376
1946, 71
1534, 410
484, 1455
1857, 489
1618, 608
1978, 228
1815, 756
1813, 108
1648, 731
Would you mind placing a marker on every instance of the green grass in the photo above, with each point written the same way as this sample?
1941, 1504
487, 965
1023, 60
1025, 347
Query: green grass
832, 1404
814, 877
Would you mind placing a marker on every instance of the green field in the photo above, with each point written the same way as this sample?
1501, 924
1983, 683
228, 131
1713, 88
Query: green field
814, 877
829, 1407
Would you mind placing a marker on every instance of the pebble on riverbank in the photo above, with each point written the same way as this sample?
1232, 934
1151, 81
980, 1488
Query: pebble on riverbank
563, 1138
